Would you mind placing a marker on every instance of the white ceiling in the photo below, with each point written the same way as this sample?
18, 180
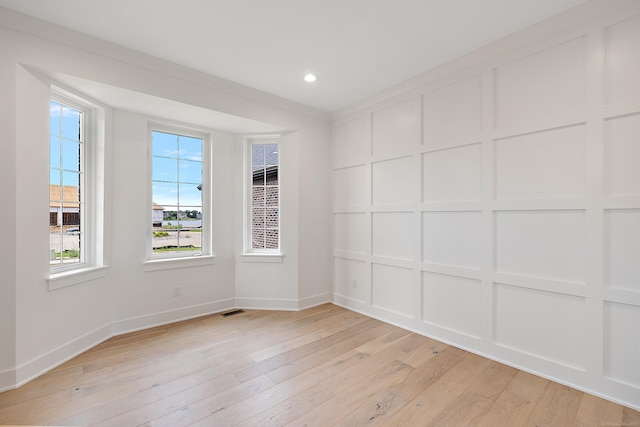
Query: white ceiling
356, 47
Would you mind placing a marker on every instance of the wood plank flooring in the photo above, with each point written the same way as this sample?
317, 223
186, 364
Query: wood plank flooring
323, 366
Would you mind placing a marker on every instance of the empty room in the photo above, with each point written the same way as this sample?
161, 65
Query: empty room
357, 212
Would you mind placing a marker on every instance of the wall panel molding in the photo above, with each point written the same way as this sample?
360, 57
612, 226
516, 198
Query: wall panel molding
520, 207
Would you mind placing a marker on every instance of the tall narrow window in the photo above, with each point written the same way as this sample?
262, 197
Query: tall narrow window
264, 206
66, 186
178, 208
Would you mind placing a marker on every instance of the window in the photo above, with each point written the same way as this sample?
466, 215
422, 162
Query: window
264, 196
77, 133
179, 209
67, 185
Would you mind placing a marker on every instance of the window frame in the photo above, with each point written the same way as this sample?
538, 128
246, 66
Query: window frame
91, 265
251, 254
154, 261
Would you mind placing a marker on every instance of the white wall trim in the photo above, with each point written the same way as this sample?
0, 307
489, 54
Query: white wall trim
420, 329
314, 300
162, 318
50, 360
267, 304
13, 378
7, 380
484, 299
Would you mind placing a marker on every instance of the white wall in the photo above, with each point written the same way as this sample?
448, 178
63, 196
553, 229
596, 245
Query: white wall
305, 229
314, 226
495, 203
40, 328
271, 285
83, 308
8, 193
205, 288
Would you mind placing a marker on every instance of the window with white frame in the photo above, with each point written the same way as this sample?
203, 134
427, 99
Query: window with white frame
68, 189
263, 225
179, 194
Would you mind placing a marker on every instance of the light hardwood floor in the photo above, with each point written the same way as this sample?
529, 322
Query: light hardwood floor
319, 367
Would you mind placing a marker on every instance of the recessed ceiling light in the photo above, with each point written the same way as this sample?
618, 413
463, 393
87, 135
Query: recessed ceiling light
310, 78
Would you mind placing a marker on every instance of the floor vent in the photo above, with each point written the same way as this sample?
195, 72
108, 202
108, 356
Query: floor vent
231, 313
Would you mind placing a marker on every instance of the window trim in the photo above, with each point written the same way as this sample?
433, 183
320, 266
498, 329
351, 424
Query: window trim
92, 264
205, 256
76, 276
249, 254
182, 262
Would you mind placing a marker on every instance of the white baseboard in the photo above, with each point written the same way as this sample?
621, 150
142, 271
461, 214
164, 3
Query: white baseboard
48, 361
314, 300
124, 326
619, 393
14, 378
267, 304
7, 380
283, 304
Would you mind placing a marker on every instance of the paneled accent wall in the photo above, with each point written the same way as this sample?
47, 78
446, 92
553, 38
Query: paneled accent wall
498, 209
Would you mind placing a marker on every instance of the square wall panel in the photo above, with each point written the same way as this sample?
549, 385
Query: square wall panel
622, 343
394, 235
547, 86
351, 143
622, 62
542, 324
548, 164
452, 302
622, 246
394, 182
544, 244
350, 279
453, 174
350, 186
452, 238
350, 233
396, 129
393, 289
622, 148
453, 114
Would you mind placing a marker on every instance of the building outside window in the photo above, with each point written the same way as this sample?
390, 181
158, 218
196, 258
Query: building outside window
264, 195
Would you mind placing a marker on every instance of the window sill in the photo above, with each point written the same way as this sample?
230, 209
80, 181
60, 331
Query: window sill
171, 263
261, 257
73, 277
